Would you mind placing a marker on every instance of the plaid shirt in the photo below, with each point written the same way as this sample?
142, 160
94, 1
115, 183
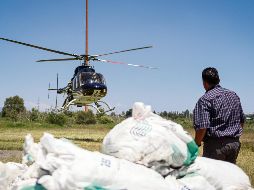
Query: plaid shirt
219, 111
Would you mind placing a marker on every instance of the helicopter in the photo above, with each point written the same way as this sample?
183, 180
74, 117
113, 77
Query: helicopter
86, 87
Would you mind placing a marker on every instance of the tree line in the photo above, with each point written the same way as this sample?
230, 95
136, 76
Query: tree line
15, 110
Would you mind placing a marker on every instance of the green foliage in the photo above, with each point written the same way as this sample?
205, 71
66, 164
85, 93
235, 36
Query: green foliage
100, 113
249, 125
164, 114
105, 119
176, 115
13, 107
56, 118
185, 122
34, 115
85, 117
128, 113
68, 113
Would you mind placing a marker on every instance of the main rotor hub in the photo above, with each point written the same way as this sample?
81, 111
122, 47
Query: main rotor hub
84, 68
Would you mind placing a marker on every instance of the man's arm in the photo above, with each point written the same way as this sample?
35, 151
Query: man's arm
242, 116
201, 120
199, 136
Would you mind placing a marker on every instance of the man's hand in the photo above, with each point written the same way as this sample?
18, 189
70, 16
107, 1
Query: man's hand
199, 136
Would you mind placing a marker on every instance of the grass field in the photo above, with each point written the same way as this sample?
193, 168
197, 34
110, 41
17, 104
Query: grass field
90, 137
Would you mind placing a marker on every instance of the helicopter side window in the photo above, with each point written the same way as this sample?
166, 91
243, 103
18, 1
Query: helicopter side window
101, 77
81, 79
74, 83
77, 82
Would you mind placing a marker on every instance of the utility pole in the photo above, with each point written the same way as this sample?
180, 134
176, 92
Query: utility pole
38, 104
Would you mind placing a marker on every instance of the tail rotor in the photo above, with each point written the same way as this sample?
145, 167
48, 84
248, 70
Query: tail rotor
56, 89
48, 91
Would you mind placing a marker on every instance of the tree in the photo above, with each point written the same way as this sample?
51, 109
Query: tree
164, 114
186, 114
128, 113
13, 106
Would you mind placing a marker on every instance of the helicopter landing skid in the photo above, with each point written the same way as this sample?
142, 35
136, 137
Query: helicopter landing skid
98, 105
67, 105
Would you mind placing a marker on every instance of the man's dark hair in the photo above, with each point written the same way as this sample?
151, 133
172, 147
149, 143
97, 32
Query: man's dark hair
211, 76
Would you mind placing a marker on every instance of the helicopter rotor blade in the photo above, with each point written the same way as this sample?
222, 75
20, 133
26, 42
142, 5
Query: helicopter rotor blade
64, 59
39, 47
133, 65
133, 49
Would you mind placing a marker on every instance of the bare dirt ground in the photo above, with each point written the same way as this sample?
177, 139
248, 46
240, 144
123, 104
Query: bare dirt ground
10, 155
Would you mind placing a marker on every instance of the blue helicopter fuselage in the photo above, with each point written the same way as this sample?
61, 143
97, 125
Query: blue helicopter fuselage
87, 85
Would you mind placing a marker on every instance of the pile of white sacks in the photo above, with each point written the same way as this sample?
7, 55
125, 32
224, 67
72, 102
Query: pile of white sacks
144, 152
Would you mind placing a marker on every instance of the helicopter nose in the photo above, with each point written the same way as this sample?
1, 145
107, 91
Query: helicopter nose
90, 89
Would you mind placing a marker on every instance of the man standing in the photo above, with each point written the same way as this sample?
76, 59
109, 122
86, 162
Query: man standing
218, 119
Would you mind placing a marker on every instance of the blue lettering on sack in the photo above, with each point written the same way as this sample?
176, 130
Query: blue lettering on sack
105, 162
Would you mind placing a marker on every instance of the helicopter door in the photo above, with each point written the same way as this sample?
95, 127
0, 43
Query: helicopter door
75, 83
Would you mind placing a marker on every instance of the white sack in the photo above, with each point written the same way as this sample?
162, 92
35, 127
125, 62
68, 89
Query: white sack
71, 167
219, 174
9, 172
148, 139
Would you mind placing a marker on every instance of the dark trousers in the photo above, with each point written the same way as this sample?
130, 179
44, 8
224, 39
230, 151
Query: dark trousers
223, 148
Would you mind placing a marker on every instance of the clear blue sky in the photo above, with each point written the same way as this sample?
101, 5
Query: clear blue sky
188, 35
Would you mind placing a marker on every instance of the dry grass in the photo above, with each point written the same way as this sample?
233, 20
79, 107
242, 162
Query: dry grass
87, 137
91, 137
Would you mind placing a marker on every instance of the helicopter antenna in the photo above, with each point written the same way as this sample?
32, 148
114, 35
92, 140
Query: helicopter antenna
86, 52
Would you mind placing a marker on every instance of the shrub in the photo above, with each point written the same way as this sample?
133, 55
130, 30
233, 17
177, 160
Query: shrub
34, 115
105, 120
185, 122
68, 113
56, 118
85, 117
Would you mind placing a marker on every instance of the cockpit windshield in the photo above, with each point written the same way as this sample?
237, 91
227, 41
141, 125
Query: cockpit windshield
91, 77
